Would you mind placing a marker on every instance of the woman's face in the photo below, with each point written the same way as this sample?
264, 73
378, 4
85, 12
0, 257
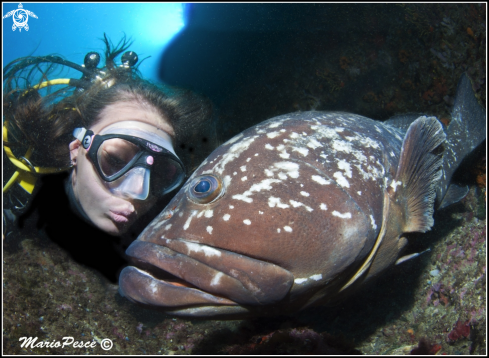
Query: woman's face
110, 213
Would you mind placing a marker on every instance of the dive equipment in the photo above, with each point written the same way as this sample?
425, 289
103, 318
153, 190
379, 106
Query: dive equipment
127, 157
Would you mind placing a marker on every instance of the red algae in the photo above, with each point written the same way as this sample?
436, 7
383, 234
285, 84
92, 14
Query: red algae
460, 330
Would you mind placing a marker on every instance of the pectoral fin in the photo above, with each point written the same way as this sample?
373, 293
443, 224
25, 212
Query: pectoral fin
419, 169
409, 199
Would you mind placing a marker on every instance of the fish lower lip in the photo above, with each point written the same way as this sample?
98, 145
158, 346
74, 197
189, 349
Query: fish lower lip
142, 287
220, 277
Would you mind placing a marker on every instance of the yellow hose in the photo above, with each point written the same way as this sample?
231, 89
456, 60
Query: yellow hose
28, 180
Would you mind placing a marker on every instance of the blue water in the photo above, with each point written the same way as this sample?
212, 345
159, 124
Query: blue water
71, 30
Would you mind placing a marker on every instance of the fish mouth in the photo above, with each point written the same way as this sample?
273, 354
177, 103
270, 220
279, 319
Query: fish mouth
176, 274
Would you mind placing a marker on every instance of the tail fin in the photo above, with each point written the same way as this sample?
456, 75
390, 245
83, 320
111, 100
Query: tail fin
466, 131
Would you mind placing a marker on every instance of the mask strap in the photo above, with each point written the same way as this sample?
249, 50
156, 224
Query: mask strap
84, 136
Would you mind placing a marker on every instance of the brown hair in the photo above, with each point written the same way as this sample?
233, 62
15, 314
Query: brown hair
46, 122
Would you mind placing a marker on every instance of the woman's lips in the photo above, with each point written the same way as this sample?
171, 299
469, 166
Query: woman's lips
121, 216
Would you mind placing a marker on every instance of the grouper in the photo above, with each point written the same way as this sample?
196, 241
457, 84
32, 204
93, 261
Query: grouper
299, 210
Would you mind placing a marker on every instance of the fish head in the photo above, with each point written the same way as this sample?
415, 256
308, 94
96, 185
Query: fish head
257, 229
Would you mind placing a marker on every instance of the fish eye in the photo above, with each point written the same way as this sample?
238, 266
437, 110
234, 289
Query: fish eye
205, 189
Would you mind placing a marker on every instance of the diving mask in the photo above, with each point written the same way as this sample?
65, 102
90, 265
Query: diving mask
132, 161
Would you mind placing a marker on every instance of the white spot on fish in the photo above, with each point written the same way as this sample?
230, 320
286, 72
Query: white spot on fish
291, 168
359, 192
372, 220
234, 139
263, 185
189, 219
341, 180
247, 222
320, 180
304, 193
260, 212
272, 134
313, 144
275, 125
243, 168
216, 279
226, 217
209, 229
323, 206
208, 213
316, 277
207, 250
288, 228
284, 155
244, 178
248, 159
227, 180
300, 280
243, 197
269, 147
394, 185
303, 151
368, 142
344, 165
234, 152
278, 230
294, 135
342, 146
343, 216
231, 206
296, 204
167, 227
272, 202
235, 173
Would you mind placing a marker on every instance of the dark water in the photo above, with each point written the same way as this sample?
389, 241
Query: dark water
256, 61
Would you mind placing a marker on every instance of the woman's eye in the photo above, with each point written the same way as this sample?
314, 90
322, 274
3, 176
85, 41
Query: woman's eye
111, 164
205, 189
114, 159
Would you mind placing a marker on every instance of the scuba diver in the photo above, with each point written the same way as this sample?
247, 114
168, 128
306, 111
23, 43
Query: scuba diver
120, 144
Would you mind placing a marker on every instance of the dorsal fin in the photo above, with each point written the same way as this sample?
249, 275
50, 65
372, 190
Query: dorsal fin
454, 194
414, 186
403, 121
467, 129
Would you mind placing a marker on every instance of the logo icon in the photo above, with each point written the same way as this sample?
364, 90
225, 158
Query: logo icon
20, 17
87, 141
106, 344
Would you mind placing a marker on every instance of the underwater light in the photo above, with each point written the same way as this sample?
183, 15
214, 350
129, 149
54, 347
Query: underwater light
159, 23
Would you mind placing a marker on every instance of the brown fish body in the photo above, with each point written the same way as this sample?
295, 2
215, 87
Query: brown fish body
294, 211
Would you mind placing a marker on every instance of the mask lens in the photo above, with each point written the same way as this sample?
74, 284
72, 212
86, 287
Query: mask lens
167, 175
134, 184
115, 154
